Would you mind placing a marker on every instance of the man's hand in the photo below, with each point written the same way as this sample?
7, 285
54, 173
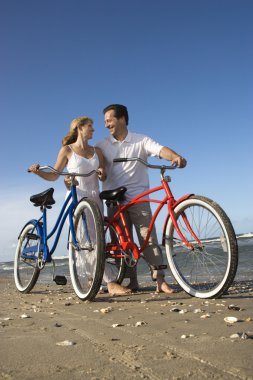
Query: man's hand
174, 157
179, 161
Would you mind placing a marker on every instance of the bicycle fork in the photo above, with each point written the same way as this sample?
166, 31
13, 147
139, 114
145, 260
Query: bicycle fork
88, 241
171, 206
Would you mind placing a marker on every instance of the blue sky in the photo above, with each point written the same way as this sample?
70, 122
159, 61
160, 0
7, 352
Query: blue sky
182, 67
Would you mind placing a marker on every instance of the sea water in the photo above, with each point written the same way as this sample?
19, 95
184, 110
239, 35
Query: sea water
244, 271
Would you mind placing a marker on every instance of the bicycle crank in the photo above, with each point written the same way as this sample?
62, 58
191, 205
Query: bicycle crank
129, 259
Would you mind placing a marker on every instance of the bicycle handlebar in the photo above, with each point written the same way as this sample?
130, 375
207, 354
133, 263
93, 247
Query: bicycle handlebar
144, 163
53, 170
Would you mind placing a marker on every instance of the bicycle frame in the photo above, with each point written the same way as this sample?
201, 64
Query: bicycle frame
124, 234
41, 224
65, 211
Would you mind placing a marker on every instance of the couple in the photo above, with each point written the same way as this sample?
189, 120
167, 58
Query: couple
77, 155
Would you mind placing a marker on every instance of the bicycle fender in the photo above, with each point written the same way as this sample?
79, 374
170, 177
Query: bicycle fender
37, 224
181, 200
168, 215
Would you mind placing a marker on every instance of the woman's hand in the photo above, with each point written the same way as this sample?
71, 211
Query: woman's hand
101, 174
34, 168
68, 181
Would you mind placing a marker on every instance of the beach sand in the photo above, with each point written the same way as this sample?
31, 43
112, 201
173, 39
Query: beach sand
141, 336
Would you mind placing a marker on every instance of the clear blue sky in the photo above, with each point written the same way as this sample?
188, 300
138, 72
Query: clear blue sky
182, 67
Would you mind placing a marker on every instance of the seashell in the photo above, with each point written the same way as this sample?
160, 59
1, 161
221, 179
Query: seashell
197, 311
106, 310
37, 310
23, 316
66, 343
117, 325
204, 316
235, 336
249, 319
7, 319
183, 311
175, 310
234, 307
245, 336
184, 336
140, 323
231, 320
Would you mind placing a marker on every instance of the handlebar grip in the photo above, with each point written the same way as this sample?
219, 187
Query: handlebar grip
123, 159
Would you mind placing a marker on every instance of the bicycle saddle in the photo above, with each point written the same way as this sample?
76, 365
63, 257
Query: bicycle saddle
43, 199
113, 195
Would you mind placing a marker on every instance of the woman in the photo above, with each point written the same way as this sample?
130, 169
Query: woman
80, 157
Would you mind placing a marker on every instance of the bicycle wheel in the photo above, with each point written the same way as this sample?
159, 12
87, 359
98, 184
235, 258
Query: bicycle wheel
86, 264
208, 269
26, 271
115, 267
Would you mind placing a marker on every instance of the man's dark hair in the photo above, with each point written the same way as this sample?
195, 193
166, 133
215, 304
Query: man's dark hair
119, 111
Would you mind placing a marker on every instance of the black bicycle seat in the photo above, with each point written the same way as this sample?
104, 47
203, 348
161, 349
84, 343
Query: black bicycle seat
113, 195
43, 199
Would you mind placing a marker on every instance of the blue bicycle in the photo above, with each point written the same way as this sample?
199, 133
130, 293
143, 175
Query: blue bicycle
85, 242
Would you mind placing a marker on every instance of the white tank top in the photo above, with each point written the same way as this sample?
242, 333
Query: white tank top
88, 186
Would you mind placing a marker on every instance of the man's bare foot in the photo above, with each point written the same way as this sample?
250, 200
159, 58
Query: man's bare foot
117, 289
163, 287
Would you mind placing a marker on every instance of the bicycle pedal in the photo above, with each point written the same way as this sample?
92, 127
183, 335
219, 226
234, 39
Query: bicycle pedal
60, 280
157, 267
32, 236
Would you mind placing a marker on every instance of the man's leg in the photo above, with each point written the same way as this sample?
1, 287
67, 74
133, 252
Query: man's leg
141, 216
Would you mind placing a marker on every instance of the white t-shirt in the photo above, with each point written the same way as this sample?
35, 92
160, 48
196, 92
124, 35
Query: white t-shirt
133, 174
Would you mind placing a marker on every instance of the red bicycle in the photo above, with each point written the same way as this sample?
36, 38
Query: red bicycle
198, 237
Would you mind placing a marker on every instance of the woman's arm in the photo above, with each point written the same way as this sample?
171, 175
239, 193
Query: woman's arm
60, 164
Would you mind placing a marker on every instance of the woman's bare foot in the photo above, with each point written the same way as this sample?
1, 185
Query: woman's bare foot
103, 289
163, 287
117, 289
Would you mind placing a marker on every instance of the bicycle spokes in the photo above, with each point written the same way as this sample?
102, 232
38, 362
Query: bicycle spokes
207, 269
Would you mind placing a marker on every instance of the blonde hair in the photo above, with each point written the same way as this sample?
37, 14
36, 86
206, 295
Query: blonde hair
71, 137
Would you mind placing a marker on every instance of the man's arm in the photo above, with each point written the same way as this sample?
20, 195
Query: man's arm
171, 155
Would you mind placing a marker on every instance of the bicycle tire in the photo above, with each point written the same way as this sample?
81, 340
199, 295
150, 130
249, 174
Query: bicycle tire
26, 271
115, 266
87, 264
207, 271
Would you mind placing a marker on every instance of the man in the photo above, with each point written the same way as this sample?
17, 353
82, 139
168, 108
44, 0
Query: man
134, 176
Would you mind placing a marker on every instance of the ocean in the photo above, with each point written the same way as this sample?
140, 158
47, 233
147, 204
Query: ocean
244, 271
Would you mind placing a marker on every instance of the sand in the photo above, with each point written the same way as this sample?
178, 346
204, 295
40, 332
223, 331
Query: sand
141, 336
